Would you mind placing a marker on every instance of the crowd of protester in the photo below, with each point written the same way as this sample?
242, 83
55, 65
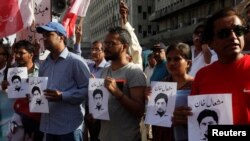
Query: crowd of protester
212, 64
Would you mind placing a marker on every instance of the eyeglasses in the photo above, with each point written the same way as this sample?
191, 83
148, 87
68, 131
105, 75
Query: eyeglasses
14, 126
95, 50
111, 44
226, 32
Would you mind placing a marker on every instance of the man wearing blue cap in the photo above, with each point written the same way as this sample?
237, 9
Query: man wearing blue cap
68, 77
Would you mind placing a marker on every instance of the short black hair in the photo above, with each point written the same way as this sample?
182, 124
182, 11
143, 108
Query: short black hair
161, 95
209, 26
15, 77
35, 88
207, 113
97, 91
26, 45
182, 48
124, 35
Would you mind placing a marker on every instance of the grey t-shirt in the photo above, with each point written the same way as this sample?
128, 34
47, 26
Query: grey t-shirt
122, 126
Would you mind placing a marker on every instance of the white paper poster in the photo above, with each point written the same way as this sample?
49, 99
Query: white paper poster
161, 104
38, 102
210, 109
98, 99
18, 85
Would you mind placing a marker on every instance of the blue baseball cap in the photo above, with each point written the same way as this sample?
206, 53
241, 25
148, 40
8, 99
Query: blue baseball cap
52, 27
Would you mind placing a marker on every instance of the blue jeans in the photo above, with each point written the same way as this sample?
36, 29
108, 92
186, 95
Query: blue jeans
73, 136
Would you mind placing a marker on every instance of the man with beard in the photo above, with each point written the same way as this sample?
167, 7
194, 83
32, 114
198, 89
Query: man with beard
126, 104
161, 101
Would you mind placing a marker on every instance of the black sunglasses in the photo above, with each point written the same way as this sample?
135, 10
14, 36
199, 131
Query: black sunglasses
226, 32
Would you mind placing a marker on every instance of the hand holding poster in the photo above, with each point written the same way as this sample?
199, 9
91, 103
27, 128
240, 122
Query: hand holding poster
17, 78
98, 99
161, 104
212, 109
38, 102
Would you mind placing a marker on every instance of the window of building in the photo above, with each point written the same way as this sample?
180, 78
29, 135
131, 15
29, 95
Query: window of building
139, 9
144, 15
139, 28
149, 29
149, 10
144, 34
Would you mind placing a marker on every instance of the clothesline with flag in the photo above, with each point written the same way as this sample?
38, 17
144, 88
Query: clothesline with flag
78, 8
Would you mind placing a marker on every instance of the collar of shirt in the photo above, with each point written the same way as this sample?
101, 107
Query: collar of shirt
35, 71
103, 64
2, 71
63, 54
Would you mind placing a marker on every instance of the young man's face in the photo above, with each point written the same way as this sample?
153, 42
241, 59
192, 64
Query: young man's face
17, 83
113, 47
23, 57
161, 105
204, 125
37, 96
98, 99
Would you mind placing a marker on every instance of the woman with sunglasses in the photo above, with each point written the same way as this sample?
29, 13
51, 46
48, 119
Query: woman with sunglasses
224, 32
24, 124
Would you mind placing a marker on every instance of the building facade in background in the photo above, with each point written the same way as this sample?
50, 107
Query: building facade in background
153, 20
103, 14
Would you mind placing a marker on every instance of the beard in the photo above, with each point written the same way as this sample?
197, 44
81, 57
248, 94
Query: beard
112, 57
18, 89
160, 113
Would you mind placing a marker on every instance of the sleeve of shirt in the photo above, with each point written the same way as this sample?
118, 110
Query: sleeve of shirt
81, 77
77, 49
135, 49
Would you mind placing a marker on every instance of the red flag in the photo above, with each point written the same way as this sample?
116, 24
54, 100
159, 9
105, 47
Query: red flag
77, 8
15, 15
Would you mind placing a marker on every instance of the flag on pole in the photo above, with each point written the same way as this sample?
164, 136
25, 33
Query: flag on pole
77, 8
15, 15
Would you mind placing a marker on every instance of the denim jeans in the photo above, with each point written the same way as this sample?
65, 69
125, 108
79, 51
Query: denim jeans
73, 136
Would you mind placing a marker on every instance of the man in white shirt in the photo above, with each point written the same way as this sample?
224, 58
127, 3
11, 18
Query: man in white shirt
135, 49
202, 55
150, 68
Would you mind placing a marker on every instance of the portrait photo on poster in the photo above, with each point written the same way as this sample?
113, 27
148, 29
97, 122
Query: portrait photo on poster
38, 102
98, 97
211, 109
161, 104
18, 85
